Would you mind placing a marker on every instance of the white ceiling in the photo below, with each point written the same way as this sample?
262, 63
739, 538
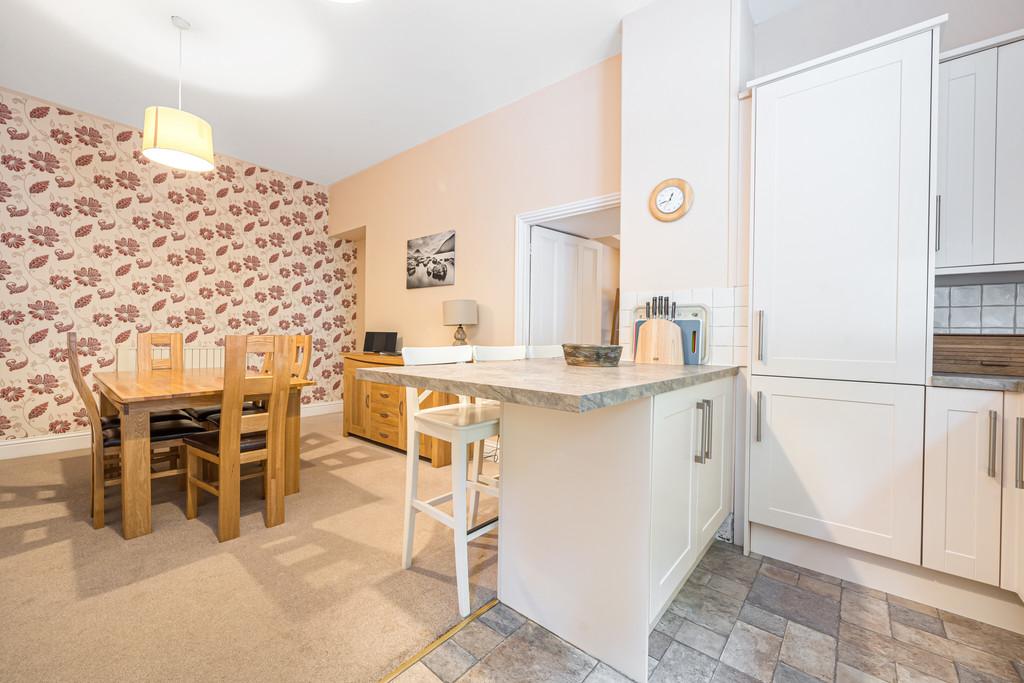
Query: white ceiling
603, 223
310, 87
763, 10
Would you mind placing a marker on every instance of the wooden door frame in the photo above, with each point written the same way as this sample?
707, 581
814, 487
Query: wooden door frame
522, 268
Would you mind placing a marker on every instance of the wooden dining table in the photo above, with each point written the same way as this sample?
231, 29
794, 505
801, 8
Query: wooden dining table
134, 395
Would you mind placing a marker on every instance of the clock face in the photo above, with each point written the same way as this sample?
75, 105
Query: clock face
669, 199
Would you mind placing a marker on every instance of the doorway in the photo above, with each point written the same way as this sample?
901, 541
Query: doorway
567, 273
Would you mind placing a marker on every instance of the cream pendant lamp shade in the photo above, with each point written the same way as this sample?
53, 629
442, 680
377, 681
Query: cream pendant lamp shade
178, 139
174, 137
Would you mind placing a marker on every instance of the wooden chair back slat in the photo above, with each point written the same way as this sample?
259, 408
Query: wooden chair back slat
92, 409
302, 347
260, 343
148, 341
256, 422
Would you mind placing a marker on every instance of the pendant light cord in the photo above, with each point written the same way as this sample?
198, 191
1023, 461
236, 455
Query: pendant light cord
180, 32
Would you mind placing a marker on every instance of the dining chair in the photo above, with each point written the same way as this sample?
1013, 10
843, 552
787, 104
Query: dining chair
165, 431
300, 347
148, 342
244, 438
459, 424
300, 351
489, 353
484, 354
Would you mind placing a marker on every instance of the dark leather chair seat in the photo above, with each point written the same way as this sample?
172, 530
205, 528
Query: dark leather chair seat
252, 410
158, 431
205, 413
161, 416
210, 442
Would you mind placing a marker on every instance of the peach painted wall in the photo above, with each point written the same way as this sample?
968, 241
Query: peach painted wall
557, 145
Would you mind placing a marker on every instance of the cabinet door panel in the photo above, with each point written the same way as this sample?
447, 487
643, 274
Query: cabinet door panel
961, 498
356, 394
674, 544
841, 217
967, 159
839, 461
1009, 240
1012, 574
714, 476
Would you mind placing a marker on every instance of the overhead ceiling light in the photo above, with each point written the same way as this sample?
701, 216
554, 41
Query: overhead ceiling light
174, 137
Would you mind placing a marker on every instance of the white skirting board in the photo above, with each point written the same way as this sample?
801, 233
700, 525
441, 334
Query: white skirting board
58, 443
977, 601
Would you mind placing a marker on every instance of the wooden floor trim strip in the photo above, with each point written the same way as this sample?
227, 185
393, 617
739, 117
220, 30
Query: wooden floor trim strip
407, 664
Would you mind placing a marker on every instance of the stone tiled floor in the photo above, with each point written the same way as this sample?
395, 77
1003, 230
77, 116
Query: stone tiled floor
745, 619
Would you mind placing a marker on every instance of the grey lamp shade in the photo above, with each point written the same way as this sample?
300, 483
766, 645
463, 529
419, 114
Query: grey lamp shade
460, 312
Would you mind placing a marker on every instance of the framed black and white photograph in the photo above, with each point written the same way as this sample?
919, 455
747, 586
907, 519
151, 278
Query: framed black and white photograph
430, 260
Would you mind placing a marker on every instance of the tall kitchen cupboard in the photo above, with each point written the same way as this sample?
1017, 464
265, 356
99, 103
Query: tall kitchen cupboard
979, 162
842, 201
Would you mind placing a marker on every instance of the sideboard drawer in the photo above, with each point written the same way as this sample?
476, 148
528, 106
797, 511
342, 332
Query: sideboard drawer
385, 419
386, 397
389, 436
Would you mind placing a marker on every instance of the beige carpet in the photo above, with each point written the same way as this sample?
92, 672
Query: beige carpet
321, 597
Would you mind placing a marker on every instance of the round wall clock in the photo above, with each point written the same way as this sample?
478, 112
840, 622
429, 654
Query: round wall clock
671, 199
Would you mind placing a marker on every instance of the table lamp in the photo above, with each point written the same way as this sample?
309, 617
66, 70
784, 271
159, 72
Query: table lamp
460, 312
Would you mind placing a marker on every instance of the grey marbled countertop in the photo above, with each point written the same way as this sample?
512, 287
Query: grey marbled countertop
549, 382
990, 382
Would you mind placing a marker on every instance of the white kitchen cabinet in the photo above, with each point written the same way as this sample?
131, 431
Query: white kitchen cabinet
841, 208
838, 461
691, 480
967, 160
1009, 224
713, 499
677, 440
1012, 574
962, 482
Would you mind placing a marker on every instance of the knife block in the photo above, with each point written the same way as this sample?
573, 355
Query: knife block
659, 341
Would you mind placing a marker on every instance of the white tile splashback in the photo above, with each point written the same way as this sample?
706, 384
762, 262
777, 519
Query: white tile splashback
729, 338
980, 309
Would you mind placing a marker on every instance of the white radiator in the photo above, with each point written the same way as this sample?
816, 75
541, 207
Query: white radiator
194, 356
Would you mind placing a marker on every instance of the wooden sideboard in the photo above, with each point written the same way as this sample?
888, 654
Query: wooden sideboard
377, 411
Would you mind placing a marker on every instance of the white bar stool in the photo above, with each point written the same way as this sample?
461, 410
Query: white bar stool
545, 351
479, 482
459, 425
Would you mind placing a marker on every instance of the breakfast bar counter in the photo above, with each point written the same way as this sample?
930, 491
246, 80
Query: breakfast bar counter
613, 484
550, 382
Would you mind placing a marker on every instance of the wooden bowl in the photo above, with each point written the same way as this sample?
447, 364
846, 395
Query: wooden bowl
592, 355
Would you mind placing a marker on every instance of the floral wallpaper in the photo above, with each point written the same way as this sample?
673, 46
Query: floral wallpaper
96, 238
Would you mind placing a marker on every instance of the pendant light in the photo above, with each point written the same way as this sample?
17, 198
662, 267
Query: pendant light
174, 137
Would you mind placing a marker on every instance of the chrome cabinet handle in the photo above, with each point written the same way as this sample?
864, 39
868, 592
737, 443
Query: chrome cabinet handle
760, 334
757, 428
993, 426
1019, 479
709, 416
699, 457
938, 222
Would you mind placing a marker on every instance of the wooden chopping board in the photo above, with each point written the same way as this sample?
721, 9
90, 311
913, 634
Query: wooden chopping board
659, 341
